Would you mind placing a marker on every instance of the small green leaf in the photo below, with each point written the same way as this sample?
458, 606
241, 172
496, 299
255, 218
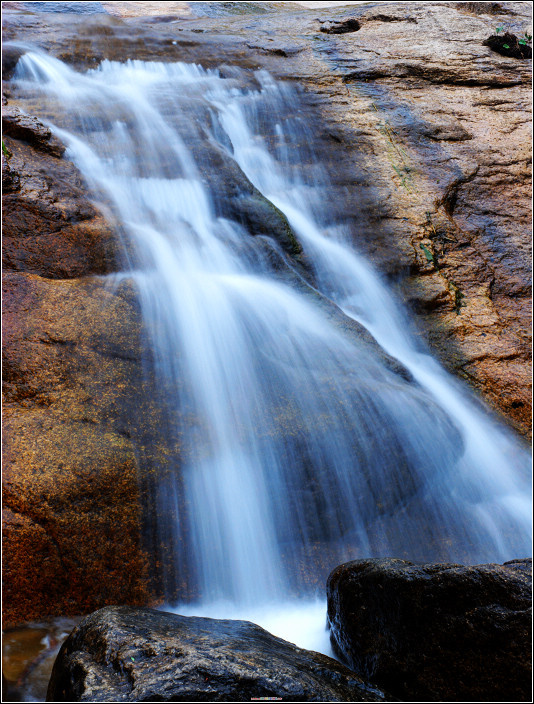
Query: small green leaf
499, 29
522, 41
428, 254
505, 46
5, 150
132, 659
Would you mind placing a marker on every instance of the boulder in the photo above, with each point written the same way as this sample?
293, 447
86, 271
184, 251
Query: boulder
135, 655
18, 125
435, 632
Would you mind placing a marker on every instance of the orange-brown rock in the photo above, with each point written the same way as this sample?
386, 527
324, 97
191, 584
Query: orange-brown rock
72, 504
78, 411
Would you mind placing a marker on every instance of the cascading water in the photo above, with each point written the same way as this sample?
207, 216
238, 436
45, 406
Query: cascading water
303, 443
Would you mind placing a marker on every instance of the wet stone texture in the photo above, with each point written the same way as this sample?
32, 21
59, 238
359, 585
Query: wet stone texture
78, 409
135, 655
435, 632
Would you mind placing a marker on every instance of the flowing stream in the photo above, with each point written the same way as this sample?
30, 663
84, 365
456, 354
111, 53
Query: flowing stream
305, 442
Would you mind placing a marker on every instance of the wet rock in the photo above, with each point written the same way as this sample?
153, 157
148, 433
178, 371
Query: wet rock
10, 178
125, 654
29, 129
237, 198
72, 366
433, 632
49, 226
432, 129
72, 374
10, 55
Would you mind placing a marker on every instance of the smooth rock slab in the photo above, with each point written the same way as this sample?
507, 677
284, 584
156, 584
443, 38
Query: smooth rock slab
435, 632
124, 654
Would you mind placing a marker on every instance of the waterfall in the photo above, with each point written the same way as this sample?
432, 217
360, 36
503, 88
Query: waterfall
305, 443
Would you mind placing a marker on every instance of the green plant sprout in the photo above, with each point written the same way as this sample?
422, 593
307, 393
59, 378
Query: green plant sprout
428, 255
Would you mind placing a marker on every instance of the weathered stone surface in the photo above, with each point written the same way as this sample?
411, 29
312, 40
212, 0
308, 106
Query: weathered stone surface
435, 632
73, 386
29, 129
10, 178
72, 372
135, 655
49, 227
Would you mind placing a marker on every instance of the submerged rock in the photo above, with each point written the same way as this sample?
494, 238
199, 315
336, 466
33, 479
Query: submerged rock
435, 632
135, 655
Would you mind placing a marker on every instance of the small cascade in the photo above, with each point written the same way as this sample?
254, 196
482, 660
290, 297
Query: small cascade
305, 443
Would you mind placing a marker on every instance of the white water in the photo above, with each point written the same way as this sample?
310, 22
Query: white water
302, 448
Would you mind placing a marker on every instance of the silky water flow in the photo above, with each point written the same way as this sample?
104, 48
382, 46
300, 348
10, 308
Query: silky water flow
304, 444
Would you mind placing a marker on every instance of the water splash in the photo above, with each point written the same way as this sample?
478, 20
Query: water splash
304, 445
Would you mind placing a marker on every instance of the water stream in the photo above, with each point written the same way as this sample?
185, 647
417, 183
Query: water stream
304, 444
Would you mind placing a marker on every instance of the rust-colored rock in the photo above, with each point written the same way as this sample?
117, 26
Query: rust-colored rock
79, 411
72, 505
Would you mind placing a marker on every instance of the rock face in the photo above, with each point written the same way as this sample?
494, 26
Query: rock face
49, 226
77, 404
435, 632
135, 655
433, 168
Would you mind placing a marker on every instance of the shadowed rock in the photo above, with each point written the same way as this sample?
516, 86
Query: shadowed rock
435, 632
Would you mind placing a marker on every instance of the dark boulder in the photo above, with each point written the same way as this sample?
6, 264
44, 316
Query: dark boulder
124, 654
431, 632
